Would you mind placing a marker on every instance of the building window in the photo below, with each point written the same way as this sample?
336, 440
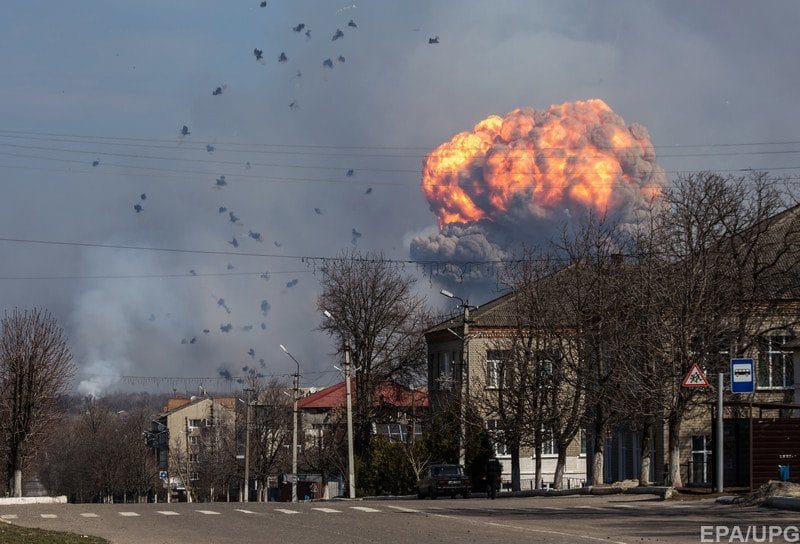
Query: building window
583, 442
193, 477
195, 423
494, 368
498, 436
775, 367
548, 444
446, 371
194, 440
194, 458
701, 460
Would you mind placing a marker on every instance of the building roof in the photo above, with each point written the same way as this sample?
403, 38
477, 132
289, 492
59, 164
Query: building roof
391, 393
175, 404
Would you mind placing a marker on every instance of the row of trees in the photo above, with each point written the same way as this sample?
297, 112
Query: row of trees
610, 318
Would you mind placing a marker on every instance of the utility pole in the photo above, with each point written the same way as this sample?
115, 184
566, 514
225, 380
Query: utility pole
246, 497
718, 452
464, 375
295, 396
350, 460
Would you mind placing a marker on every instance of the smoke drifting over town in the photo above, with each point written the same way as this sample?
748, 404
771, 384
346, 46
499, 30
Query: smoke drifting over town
516, 179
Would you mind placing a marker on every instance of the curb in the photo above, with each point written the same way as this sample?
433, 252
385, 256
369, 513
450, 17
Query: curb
661, 492
10, 501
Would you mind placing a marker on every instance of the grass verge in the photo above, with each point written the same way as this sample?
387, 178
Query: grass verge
14, 534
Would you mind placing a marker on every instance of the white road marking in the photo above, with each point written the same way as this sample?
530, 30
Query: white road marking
586, 507
328, 510
364, 509
624, 506
129, 514
408, 510
285, 511
49, 516
208, 512
547, 507
434, 508
167, 513
89, 515
8, 516
244, 511
684, 506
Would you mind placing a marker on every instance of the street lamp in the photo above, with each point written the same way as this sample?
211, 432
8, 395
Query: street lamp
294, 423
350, 457
464, 375
248, 391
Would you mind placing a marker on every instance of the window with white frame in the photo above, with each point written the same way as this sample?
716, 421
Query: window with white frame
548, 443
583, 442
701, 459
194, 440
445, 371
195, 423
498, 436
495, 360
194, 458
775, 367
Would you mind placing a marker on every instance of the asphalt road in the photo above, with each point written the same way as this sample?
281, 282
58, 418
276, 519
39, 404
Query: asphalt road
556, 520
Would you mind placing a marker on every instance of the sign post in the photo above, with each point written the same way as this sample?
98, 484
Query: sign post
742, 376
718, 452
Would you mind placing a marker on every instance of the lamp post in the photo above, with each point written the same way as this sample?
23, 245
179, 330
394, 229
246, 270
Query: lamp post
350, 457
248, 391
464, 376
294, 423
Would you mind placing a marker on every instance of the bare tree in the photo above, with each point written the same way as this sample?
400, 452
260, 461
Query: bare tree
378, 315
271, 429
35, 369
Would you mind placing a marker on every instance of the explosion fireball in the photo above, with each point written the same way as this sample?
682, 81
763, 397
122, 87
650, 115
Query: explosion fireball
512, 179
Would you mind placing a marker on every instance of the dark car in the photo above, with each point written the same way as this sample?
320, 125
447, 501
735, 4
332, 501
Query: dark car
440, 480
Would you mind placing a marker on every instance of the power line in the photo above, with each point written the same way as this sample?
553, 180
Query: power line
369, 147
150, 276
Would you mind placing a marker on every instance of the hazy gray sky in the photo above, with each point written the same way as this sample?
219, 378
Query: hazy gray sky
113, 81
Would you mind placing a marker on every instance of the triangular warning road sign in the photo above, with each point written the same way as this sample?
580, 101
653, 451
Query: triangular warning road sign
695, 378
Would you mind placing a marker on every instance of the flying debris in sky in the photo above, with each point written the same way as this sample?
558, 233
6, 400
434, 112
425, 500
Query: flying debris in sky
210, 148
352, 24
317, 211
219, 90
221, 303
224, 373
368, 191
263, 326
230, 266
192, 272
193, 340
185, 131
184, 341
356, 236
277, 243
206, 331
95, 163
263, 3
350, 173
340, 59
254, 235
138, 208
247, 328
143, 196
259, 54
245, 368
264, 307
292, 283
152, 317
233, 218
282, 57
221, 182
435, 39
227, 327
338, 34
327, 63
262, 363
265, 276
222, 209
293, 105
308, 34
299, 28
252, 353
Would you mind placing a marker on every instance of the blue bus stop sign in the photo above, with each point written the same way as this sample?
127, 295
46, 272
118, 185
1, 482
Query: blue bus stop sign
742, 376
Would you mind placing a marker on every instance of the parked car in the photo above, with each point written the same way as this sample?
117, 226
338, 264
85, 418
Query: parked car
440, 480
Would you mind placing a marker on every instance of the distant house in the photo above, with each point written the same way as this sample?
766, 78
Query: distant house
181, 431
399, 410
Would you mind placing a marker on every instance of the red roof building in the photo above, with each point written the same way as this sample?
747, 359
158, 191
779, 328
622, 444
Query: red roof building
386, 394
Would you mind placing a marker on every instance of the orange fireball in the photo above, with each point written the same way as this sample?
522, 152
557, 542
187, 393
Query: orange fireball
576, 153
